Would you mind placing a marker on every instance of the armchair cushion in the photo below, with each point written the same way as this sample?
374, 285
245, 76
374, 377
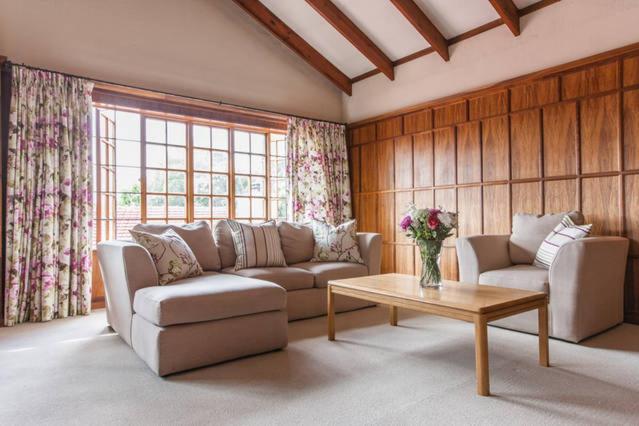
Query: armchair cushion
523, 277
563, 233
529, 231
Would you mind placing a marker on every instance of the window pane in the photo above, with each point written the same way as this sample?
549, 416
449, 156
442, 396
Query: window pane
202, 207
258, 164
258, 186
220, 138
220, 207
176, 132
201, 136
155, 156
281, 209
155, 206
155, 130
242, 163
176, 157
242, 141
177, 206
242, 207
220, 161
127, 153
280, 167
202, 183
258, 143
202, 159
281, 147
242, 185
258, 207
220, 185
127, 125
155, 181
177, 182
127, 179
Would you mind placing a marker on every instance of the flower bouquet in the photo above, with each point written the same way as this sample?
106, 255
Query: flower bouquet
429, 228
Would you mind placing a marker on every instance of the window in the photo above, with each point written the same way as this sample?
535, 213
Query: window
155, 168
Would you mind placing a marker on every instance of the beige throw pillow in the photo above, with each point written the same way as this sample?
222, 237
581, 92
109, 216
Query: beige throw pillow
256, 245
172, 256
336, 243
297, 242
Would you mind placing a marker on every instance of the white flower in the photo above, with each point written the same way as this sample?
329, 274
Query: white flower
445, 218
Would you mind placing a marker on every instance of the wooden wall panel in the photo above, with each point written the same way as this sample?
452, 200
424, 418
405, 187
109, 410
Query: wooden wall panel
355, 164
551, 142
404, 162
525, 144
449, 265
423, 161
444, 140
600, 134
495, 164
468, 153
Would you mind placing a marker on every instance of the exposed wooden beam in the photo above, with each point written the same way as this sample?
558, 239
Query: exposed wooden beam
509, 14
426, 28
296, 43
352, 33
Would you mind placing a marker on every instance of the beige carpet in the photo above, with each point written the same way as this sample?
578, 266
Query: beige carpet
76, 371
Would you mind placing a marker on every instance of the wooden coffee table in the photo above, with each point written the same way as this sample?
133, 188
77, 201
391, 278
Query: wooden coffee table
478, 304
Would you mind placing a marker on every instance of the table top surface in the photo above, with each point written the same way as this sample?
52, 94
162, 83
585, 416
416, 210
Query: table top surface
455, 295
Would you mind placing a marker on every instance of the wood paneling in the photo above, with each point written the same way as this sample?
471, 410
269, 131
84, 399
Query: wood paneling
560, 139
363, 134
423, 162
402, 199
389, 128
542, 145
600, 134
495, 165
385, 163
367, 216
355, 163
444, 140
468, 153
404, 162
388, 258
525, 144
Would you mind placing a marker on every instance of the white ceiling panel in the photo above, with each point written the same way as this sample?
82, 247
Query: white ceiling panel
384, 25
303, 19
523, 3
454, 17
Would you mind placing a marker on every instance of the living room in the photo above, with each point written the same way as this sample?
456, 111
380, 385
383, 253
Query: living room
320, 212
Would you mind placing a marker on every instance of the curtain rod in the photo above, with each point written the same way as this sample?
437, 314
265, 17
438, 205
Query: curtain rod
220, 103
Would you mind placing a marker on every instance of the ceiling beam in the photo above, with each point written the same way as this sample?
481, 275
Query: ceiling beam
296, 43
508, 13
352, 33
424, 26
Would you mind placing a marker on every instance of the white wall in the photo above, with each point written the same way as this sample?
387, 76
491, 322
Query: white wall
560, 33
204, 48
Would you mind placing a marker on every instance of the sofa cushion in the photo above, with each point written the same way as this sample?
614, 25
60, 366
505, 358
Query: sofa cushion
326, 271
523, 277
529, 231
336, 243
198, 236
224, 241
297, 242
256, 246
287, 277
211, 296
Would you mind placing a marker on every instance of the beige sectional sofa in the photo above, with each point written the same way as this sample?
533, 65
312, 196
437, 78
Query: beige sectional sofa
222, 314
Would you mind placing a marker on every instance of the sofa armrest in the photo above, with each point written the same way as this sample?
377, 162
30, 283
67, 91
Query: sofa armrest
587, 286
126, 267
481, 253
370, 247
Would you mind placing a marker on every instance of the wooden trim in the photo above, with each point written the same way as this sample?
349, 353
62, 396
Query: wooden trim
352, 33
423, 25
296, 43
509, 14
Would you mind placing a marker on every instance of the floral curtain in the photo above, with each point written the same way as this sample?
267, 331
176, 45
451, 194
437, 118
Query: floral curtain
318, 168
49, 205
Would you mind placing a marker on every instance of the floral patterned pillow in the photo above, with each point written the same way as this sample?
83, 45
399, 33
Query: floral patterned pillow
173, 258
336, 243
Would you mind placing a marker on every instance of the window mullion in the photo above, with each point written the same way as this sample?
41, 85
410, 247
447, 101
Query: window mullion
143, 206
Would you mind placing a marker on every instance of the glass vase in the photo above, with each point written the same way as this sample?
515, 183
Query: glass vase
430, 251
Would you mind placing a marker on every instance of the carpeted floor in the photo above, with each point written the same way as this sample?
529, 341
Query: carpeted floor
76, 371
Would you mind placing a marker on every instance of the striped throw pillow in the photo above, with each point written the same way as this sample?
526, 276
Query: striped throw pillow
563, 233
256, 245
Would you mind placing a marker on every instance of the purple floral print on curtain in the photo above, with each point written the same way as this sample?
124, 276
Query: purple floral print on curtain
317, 165
49, 198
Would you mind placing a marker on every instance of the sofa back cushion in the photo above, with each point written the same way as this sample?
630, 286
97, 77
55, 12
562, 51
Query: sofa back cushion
197, 235
256, 245
224, 241
564, 233
297, 242
529, 231
336, 243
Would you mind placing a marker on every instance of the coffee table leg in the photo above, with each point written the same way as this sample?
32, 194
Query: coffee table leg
543, 336
331, 314
481, 355
392, 314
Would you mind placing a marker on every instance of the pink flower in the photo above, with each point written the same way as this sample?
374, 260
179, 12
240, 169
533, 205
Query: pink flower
406, 222
433, 221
